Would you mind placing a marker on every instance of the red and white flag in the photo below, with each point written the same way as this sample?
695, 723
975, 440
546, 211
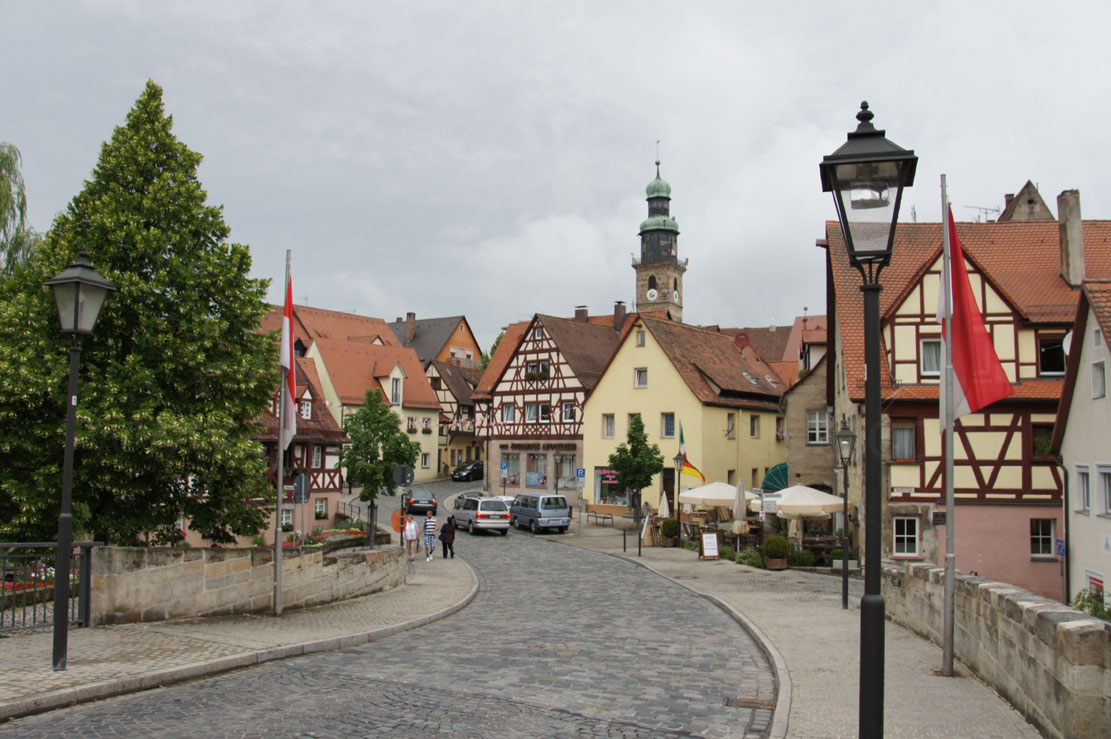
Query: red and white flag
979, 379
288, 422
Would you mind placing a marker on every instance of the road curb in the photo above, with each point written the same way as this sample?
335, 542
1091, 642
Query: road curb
159, 678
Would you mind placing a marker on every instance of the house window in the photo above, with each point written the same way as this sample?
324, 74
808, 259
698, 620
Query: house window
435, 382
1041, 537
667, 425
731, 426
395, 391
640, 377
568, 415
536, 370
1082, 493
530, 412
425, 460
536, 472
545, 412
1051, 356
411, 424
903, 439
754, 426
1099, 380
930, 357
320, 508
607, 425
538, 333
1103, 478
507, 413
1097, 336
906, 537
306, 409
1041, 434
630, 419
640, 338
817, 427
513, 470
318, 457
730, 477
287, 517
470, 354
779, 432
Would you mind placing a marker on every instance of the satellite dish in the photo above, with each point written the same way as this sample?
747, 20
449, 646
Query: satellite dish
741, 341
1066, 343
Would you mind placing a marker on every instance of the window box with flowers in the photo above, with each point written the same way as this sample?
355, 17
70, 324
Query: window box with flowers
411, 425
426, 427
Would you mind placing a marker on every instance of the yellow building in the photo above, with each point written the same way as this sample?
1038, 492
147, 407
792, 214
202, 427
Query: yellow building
726, 400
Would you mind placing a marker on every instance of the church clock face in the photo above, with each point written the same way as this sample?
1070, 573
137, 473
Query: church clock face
651, 294
675, 296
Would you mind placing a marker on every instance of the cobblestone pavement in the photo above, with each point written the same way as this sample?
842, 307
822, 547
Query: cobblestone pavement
560, 641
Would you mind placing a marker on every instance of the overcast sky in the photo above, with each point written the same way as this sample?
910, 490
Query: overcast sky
490, 158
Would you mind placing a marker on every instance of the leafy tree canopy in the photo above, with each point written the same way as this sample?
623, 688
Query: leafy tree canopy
17, 239
378, 445
636, 461
490, 354
174, 374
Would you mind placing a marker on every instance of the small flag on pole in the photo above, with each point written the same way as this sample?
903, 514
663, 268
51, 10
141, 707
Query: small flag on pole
289, 416
688, 468
979, 379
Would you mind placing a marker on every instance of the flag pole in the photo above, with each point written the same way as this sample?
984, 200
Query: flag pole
281, 470
947, 411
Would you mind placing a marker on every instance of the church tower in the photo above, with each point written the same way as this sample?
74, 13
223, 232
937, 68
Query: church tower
659, 270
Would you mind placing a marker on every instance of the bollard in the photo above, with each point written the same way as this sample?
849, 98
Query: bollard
624, 541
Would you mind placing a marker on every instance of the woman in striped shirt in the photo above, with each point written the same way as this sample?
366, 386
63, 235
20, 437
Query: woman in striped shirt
429, 535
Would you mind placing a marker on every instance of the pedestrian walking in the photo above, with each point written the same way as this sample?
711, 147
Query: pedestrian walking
447, 536
429, 535
411, 535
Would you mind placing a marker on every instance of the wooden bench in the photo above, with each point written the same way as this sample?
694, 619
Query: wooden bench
600, 518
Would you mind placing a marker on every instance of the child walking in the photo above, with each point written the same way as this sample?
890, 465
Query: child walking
429, 535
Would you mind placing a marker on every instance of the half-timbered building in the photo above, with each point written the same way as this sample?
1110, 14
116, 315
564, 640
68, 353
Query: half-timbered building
454, 386
534, 417
1008, 487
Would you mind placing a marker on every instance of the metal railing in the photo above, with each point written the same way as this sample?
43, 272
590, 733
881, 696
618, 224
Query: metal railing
355, 509
27, 584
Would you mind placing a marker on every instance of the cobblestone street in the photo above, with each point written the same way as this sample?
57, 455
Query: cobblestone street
560, 641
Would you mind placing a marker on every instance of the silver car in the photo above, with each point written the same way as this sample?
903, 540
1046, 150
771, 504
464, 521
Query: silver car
475, 513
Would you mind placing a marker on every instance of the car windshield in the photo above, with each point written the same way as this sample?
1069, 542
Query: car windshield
560, 502
493, 505
422, 495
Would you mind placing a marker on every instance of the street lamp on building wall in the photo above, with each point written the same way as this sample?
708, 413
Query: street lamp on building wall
846, 442
79, 293
867, 176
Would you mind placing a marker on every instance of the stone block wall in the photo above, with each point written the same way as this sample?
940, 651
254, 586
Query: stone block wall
153, 584
1050, 661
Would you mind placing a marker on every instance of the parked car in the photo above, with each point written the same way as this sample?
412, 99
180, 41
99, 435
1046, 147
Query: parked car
475, 513
540, 511
419, 502
475, 470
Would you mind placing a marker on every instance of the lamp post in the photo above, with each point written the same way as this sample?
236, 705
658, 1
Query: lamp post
79, 293
679, 460
867, 176
846, 441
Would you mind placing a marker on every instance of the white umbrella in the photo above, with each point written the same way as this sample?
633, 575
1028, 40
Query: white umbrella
712, 495
800, 500
740, 501
664, 511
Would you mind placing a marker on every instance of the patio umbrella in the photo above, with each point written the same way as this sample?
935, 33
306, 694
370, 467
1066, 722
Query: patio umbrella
712, 495
740, 500
800, 501
664, 511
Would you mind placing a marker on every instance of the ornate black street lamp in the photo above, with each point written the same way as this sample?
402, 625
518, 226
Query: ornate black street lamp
79, 293
846, 442
679, 460
867, 176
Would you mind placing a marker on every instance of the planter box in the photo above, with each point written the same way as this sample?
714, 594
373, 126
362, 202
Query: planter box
776, 564
853, 565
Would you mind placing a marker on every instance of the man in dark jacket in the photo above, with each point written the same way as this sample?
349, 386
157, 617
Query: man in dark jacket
447, 536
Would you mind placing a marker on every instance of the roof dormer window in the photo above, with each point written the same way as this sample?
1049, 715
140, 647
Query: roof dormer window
306, 409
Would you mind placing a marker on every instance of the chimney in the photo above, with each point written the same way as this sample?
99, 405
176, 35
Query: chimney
410, 327
580, 313
1007, 200
618, 315
1072, 237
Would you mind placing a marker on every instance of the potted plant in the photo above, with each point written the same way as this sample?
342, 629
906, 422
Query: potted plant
775, 552
835, 557
669, 531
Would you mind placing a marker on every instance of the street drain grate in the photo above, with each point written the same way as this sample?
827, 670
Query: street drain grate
745, 701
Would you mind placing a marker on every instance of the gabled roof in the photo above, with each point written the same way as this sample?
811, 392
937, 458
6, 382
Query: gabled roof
321, 427
586, 346
770, 342
800, 379
1096, 296
460, 381
1021, 260
430, 336
511, 337
310, 324
716, 372
1026, 206
352, 368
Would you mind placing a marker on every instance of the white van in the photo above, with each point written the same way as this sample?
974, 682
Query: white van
540, 511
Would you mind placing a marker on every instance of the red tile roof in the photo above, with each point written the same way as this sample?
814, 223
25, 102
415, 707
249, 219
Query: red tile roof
508, 344
1022, 260
354, 367
1098, 293
321, 427
310, 324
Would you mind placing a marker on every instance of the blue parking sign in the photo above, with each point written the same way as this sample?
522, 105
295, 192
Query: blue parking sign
1060, 547
580, 472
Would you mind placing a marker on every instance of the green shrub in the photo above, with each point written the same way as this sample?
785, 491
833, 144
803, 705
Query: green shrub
1091, 602
835, 554
669, 527
801, 558
750, 557
258, 540
726, 552
775, 547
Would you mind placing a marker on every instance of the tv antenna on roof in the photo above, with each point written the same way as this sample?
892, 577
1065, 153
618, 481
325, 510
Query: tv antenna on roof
984, 212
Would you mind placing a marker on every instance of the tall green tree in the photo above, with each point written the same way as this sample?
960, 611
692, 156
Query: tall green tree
485, 361
636, 461
174, 374
378, 445
17, 239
